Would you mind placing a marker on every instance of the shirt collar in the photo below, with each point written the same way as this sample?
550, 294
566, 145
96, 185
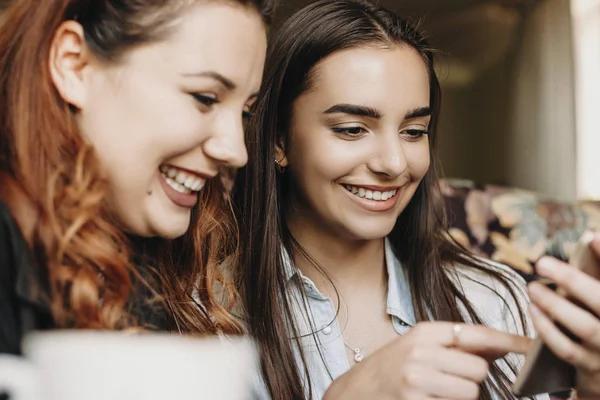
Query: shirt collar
289, 267
399, 297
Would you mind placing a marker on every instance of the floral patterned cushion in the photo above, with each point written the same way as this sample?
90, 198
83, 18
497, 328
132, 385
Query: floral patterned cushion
516, 227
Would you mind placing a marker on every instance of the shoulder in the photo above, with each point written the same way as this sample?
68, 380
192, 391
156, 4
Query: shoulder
490, 274
21, 308
9, 236
498, 294
14, 250
224, 291
9, 334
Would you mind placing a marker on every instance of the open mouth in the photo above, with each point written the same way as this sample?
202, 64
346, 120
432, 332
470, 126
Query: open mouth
182, 181
370, 194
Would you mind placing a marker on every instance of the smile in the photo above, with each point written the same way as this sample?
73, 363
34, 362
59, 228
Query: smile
182, 181
370, 194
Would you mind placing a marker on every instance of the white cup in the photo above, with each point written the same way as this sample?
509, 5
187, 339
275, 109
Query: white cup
88, 365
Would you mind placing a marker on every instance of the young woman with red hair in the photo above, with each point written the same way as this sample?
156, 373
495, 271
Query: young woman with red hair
116, 117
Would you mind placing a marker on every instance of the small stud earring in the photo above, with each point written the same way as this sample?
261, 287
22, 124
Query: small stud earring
278, 165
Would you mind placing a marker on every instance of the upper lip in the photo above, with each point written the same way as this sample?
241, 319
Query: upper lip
197, 173
374, 187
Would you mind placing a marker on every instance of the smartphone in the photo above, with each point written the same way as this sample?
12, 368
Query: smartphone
543, 372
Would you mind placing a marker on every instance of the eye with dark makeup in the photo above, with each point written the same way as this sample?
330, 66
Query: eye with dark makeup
247, 113
415, 134
205, 100
356, 132
350, 132
209, 101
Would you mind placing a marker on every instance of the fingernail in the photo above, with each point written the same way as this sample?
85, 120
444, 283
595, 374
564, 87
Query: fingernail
535, 289
534, 310
545, 265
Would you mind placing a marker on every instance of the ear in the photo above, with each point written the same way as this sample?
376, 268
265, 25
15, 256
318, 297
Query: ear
280, 156
68, 58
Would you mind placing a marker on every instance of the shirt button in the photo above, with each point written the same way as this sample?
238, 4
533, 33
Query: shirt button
327, 330
402, 323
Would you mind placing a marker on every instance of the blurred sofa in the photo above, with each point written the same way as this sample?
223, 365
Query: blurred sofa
515, 226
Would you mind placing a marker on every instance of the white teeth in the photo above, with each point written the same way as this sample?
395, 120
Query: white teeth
197, 184
177, 186
370, 194
181, 181
181, 176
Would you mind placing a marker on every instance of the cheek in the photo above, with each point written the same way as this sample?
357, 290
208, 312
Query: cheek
418, 159
133, 137
125, 135
136, 154
323, 159
138, 118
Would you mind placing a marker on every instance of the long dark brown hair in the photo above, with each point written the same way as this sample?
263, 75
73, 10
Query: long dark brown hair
53, 183
419, 238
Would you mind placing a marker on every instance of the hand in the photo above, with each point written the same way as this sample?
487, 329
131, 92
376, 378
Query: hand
548, 307
432, 361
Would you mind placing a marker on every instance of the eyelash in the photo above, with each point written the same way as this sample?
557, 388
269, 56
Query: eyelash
416, 133
348, 132
246, 115
205, 100
211, 101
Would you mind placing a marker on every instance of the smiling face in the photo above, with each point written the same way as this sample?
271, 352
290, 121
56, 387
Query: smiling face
358, 145
169, 115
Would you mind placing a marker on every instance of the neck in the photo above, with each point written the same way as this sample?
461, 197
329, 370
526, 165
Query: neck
349, 263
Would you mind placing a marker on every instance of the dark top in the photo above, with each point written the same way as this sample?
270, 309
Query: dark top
21, 307
21, 311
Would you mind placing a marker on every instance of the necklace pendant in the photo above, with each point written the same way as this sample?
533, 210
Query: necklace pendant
358, 355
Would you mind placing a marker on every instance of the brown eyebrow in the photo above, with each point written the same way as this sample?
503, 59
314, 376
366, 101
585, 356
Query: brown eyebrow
418, 112
370, 112
353, 109
228, 83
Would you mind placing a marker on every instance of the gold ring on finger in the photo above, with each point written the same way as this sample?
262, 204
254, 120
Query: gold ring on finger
456, 330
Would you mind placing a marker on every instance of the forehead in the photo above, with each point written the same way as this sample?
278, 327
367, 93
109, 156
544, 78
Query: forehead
394, 77
224, 37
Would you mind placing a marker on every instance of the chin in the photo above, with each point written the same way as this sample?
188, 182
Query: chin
170, 228
374, 232
171, 233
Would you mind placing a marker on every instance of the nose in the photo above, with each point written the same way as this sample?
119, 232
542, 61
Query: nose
226, 145
389, 158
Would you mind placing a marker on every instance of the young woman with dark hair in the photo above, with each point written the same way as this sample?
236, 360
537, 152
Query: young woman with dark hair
344, 243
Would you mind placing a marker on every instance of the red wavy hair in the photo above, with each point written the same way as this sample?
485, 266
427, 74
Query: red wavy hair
54, 186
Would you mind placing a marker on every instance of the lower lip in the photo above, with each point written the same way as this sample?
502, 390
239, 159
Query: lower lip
179, 199
374, 205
